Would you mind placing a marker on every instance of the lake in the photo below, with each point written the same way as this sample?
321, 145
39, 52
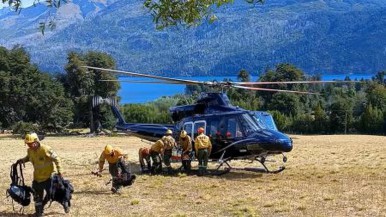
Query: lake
143, 92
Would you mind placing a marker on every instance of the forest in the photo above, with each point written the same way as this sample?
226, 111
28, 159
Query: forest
32, 100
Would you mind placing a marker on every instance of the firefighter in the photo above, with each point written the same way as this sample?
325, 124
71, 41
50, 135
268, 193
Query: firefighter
144, 156
169, 144
156, 151
203, 148
186, 145
117, 166
43, 159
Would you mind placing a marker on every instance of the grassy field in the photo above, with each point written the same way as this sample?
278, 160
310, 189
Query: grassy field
340, 175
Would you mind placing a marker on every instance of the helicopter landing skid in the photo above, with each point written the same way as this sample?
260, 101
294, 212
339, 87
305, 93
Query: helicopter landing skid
228, 167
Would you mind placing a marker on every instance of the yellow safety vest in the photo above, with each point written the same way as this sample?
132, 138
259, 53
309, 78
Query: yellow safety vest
111, 159
43, 159
202, 141
158, 146
186, 144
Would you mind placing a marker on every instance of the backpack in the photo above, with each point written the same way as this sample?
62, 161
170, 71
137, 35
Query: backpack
18, 191
61, 191
126, 178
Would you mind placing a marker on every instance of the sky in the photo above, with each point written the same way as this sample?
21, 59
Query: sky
25, 3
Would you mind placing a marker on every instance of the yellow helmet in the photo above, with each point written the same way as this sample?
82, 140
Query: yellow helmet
183, 134
108, 149
31, 137
169, 132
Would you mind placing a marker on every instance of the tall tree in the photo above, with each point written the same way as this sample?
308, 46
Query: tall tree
28, 95
82, 85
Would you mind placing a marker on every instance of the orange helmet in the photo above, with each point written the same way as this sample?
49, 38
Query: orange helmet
200, 130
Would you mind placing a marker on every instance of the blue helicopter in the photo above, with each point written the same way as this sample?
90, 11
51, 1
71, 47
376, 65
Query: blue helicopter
235, 133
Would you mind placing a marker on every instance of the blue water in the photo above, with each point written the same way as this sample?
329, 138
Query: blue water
144, 92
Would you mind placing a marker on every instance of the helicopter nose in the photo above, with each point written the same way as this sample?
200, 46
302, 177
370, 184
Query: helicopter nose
285, 145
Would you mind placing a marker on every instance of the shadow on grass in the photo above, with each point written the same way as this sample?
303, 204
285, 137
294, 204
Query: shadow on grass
13, 214
230, 175
96, 192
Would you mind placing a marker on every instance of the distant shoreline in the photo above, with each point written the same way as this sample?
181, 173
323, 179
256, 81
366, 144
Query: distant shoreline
143, 93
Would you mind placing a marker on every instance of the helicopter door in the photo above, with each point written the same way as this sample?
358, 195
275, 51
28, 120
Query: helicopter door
188, 127
197, 125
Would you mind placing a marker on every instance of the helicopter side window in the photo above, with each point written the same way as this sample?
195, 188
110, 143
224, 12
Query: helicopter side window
212, 128
234, 129
188, 127
197, 125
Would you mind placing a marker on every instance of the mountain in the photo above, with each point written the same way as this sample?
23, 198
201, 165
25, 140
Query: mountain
318, 36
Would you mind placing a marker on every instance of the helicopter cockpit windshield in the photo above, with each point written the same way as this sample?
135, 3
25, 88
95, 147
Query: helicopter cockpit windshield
249, 125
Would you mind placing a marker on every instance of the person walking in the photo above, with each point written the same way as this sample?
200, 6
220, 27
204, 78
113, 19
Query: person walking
185, 143
203, 148
43, 159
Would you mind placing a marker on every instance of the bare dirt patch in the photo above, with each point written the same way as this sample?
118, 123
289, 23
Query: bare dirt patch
341, 175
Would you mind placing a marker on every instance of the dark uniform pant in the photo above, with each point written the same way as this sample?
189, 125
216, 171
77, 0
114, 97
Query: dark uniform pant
146, 160
39, 197
117, 169
202, 156
167, 157
186, 161
156, 168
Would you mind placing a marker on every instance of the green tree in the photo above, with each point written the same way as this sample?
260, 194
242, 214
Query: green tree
320, 122
28, 95
340, 115
282, 72
286, 103
82, 84
380, 77
372, 120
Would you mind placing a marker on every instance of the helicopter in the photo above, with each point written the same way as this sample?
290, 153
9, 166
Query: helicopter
235, 133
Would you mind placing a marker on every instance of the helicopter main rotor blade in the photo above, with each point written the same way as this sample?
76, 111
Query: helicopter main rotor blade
289, 82
273, 90
144, 82
147, 76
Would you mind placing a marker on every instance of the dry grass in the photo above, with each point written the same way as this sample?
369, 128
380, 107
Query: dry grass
325, 176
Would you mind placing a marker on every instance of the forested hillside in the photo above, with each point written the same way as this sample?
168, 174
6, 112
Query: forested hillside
33, 100
318, 36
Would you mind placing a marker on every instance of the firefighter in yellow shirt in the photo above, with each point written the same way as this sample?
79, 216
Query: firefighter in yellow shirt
43, 159
144, 156
156, 151
186, 145
203, 148
169, 144
117, 166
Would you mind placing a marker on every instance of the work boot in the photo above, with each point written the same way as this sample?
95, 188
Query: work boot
39, 211
200, 172
116, 190
169, 171
132, 179
66, 207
